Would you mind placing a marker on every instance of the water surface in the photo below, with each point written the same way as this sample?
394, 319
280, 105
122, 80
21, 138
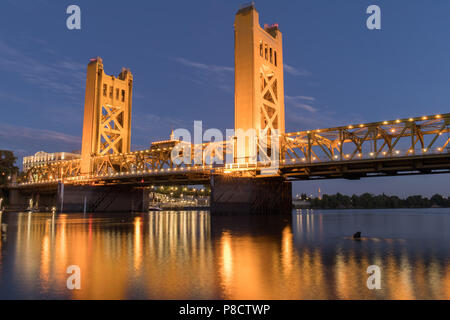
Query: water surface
192, 255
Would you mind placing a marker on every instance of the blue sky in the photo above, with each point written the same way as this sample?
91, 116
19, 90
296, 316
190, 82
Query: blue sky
181, 55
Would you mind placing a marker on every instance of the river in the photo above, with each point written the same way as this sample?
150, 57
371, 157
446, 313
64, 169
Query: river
193, 255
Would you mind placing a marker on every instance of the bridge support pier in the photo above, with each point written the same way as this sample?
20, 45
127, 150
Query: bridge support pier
108, 198
38, 199
246, 195
80, 198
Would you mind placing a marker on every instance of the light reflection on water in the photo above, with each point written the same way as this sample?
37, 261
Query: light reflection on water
191, 255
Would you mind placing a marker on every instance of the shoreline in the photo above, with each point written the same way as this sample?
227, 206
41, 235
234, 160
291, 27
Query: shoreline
402, 208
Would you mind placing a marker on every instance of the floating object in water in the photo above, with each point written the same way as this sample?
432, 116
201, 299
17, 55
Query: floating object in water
357, 235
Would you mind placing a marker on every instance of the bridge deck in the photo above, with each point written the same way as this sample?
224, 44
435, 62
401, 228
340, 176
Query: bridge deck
347, 169
355, 169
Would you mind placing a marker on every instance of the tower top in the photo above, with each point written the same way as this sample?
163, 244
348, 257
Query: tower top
247, 7
97, 59
249, 13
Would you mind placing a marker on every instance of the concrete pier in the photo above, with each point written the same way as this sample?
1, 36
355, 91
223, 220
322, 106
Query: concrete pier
81, 198
42, 199
113, 198
255, 196
229, 195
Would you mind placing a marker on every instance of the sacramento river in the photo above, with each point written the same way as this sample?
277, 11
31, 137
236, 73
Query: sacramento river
192, 255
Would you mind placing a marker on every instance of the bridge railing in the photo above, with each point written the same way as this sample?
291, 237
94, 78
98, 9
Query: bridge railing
158, 160
396, 138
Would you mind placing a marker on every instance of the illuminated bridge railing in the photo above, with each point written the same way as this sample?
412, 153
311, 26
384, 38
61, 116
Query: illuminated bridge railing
396, 138
156, 161
422, 136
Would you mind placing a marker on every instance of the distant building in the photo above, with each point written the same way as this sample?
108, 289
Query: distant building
165, 143
42, 157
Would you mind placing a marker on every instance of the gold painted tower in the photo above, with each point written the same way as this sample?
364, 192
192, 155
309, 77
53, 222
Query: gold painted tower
107, 114
259, 85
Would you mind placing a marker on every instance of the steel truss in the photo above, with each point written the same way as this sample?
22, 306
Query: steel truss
403, 137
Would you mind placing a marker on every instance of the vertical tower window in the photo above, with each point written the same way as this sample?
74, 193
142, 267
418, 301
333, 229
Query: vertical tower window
265, 52
111, 90
123, 95
275, 57
104, 90
117, 94
271, 59
260, 48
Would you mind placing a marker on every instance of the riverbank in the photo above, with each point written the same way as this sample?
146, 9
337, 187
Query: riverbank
369, 201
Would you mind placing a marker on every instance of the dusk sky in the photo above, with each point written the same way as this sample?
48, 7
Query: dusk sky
181, 54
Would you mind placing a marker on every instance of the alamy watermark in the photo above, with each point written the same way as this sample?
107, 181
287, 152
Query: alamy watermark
74, 280
73, 21
212, 147
373, 22
374, 280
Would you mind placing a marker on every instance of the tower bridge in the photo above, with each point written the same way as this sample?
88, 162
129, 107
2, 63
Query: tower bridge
109, 177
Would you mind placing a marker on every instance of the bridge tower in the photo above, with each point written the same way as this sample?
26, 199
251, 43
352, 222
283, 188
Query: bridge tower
107, 114
259, 85
259, 105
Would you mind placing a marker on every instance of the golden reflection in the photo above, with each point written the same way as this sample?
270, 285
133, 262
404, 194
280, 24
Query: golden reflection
180, 264
104, 256
446, 283
307, 280
179, 255
242, 268
1, 240
286, 250
137, 243
435, 272
320, 285
45, 262
405, 277
343, 277
226, 261
420, 278
398, 278
270, 267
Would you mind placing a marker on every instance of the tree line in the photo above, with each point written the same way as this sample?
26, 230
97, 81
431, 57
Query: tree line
370, 201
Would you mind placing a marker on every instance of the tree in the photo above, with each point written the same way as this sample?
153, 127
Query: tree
369, 201
7, 167
438, 200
